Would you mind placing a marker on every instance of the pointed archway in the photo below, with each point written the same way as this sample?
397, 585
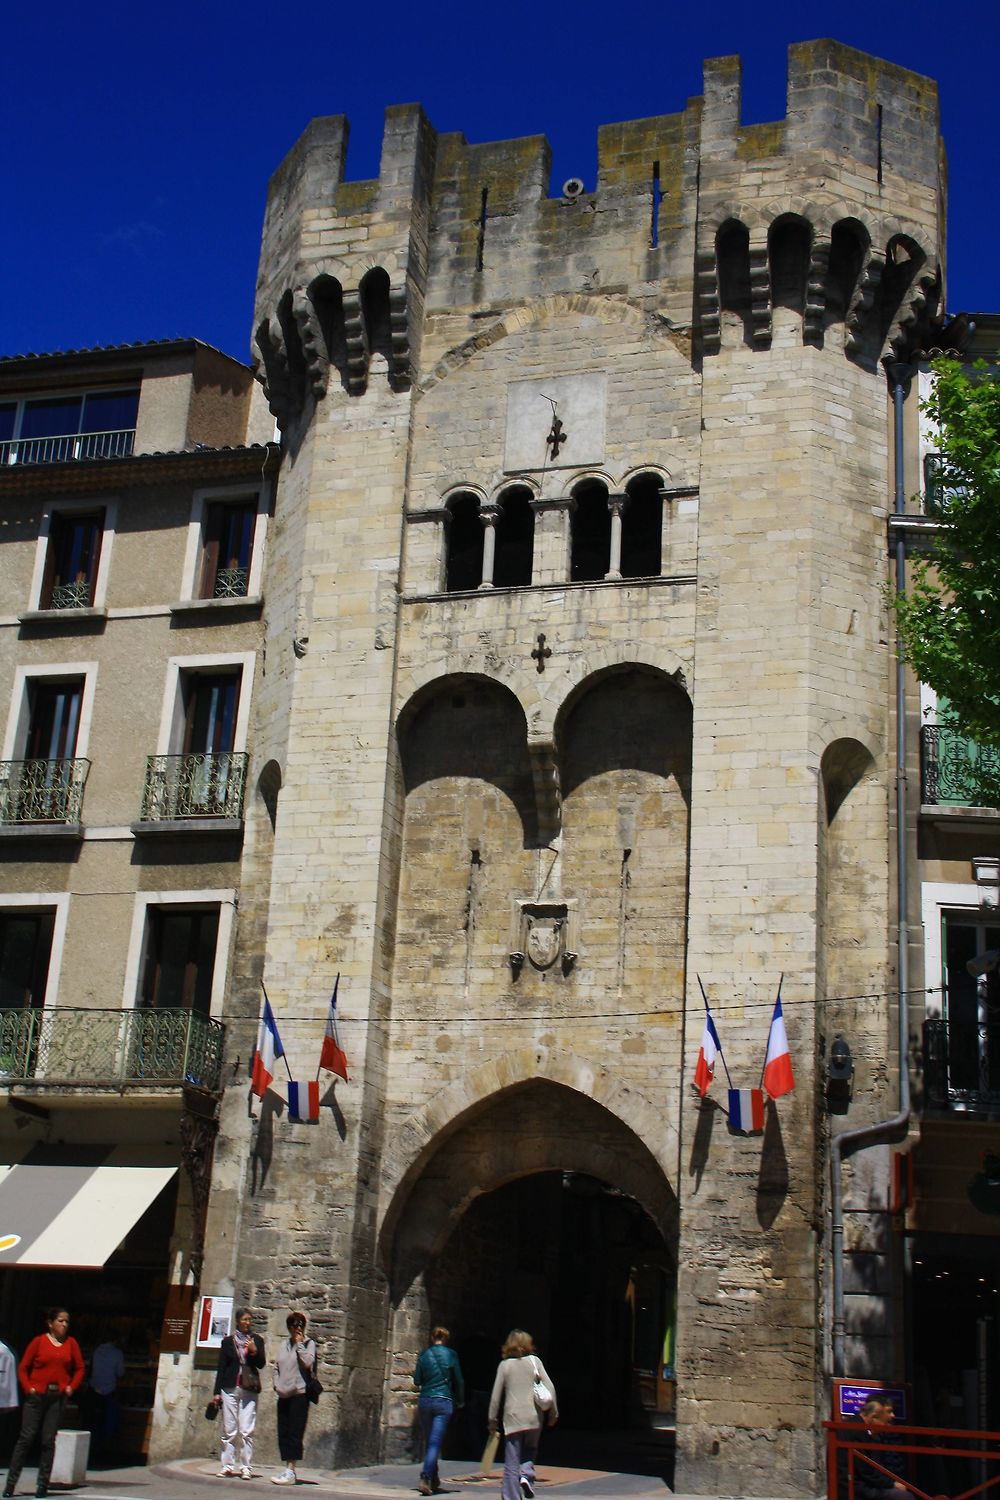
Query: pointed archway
539, 1208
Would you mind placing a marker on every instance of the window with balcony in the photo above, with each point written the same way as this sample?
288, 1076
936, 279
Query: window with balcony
71, 561
46, 785
962, 1049
205, 776
228, 548
51, 429
179, 965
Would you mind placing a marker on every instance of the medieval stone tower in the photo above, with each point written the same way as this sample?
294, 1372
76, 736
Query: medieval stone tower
576, 691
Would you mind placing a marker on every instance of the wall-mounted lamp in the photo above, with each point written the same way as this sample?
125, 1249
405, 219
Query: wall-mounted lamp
839, 1077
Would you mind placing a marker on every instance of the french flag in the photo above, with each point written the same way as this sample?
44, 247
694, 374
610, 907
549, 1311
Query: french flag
332, 1057
778, 1076
746, 1110
303, 1101
269, 1048
704, 1070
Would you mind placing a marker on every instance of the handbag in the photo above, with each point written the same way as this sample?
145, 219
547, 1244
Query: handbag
313, 1388
211, 1412
544, 1399
250, 1379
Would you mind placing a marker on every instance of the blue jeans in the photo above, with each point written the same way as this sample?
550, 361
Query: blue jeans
519, 1449
435, 1414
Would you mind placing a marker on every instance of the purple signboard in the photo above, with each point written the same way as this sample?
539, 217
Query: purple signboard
851, 1395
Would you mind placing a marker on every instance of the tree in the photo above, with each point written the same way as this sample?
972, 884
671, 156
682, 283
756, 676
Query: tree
949, 619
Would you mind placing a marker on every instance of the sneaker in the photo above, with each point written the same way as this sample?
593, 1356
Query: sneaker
245, 1472
226, 1472
287, 1476
527, 1488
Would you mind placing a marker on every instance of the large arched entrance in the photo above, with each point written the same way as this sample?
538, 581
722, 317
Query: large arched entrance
541, 1209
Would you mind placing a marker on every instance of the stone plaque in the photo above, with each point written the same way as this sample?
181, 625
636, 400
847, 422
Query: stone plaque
580, 406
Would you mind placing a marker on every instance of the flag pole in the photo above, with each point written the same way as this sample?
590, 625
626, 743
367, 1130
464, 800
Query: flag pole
768, 1042
709, 1012
284, 1059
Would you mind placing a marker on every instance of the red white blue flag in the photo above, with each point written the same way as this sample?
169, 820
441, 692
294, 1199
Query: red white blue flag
710, 1048
303, 1101
333, 1057
746, 1110
269, 1048
778, 1077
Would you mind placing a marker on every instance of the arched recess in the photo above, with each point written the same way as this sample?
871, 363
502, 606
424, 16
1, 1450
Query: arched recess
590, 532
849, 245
468, 824
268, 787
903, 260
642, 528
853, 875
463, 566
515, 537
374, 294
327, 297
536, 1207
732, 254
789, 244
624, 750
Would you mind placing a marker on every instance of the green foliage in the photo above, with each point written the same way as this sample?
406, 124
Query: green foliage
949, 621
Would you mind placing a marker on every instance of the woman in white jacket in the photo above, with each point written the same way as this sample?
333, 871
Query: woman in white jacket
513, 1403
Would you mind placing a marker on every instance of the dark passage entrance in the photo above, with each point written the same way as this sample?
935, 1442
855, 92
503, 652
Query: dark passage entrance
583, 1268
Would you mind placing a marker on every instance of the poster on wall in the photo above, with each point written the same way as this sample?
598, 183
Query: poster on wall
178, 1315
215, 1320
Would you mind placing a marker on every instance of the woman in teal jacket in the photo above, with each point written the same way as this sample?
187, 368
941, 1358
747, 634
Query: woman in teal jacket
438, 1377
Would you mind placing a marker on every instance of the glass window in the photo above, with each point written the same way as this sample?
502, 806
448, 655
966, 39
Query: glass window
180, 958
71, 562
229, 531
25, 949
55, 719
109, 411
8, 413
52, 416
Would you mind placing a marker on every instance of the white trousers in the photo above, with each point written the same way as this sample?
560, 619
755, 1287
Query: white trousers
239, 1415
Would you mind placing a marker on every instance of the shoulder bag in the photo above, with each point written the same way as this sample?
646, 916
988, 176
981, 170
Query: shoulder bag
313, 1388
544, 1399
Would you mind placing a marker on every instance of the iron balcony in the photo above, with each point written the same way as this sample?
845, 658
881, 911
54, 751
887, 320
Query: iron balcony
56, 450
42, 791
952, 767
207, 784
962, 1066
57, 1046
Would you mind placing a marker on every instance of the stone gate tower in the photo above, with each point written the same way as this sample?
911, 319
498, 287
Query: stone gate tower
575, 692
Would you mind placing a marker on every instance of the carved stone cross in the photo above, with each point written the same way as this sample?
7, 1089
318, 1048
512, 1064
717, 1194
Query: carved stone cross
557, 435
540, 653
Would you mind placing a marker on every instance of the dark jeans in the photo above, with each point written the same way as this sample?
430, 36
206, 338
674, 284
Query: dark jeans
44, 1414
293, 1413
435, 1414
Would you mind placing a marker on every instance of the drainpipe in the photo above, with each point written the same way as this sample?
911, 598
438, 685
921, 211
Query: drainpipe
849, 1141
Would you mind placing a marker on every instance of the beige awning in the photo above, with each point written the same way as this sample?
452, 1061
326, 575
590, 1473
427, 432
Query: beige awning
72, 1215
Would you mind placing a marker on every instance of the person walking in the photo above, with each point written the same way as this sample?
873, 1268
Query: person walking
51, 1369
107, 1368
438, 1377
8, 1401
514, 1403
237, 1386
294, 1366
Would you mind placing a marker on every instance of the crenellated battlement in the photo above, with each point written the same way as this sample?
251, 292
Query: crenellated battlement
833, 212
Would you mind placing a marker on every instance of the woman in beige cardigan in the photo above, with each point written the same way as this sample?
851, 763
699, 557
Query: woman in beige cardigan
513, 1404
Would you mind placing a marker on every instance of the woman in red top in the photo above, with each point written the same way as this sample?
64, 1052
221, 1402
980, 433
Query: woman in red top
50, 1370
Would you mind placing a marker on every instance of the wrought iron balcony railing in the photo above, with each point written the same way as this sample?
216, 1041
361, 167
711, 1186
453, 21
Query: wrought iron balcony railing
231, 583
203, 785
71, 595
42, 791
952, 767
962, 1066
56, 450
56, 1045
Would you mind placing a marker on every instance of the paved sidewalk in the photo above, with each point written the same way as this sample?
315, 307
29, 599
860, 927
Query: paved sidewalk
392, 1481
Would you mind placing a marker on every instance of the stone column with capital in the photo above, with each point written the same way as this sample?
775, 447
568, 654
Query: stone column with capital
489, 515
617, 501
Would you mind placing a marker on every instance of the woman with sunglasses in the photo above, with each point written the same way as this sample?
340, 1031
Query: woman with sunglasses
294, 1366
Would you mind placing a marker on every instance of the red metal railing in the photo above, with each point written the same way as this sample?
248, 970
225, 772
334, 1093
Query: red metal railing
931, 1463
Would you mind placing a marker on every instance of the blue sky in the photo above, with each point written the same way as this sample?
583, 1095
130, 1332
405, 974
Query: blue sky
139, 139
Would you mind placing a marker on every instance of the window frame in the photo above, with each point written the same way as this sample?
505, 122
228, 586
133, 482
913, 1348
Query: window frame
195, 546
81, 394
224, 900
19, 713
44, 901
173, 714
58, 510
